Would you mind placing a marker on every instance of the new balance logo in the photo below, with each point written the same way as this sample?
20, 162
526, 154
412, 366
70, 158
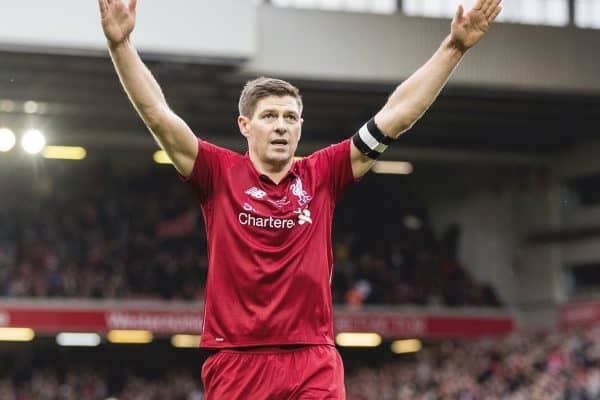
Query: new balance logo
256, 193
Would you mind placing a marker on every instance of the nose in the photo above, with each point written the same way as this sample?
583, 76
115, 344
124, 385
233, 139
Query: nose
280, 127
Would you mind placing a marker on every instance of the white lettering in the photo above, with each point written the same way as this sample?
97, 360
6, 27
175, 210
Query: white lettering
159, 322
264, 222
4, 318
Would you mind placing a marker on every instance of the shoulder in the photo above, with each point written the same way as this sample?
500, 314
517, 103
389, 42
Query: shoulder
216, 157
217, 151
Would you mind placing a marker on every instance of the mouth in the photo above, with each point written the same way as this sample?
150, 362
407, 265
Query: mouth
279, 142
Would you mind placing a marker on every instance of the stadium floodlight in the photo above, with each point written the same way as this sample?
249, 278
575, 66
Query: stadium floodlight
393, 167
78, 339
16, 334
33, 141
7, 139
129, 336
7, 105
412, 222
31, 107
161, 157
185, 341
64, 152
406, 346
355, 339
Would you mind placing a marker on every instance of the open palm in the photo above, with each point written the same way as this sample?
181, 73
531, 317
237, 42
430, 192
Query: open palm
469, 28
118, 19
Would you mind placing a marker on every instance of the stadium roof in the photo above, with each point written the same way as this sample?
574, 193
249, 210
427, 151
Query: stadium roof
80, 102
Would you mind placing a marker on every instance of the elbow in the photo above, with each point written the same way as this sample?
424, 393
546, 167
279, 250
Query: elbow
394, 122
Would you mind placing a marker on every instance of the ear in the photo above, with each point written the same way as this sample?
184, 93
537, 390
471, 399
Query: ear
243, 123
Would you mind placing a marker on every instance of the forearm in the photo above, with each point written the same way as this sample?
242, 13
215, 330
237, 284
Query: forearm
414, 96
171, 132
137, 80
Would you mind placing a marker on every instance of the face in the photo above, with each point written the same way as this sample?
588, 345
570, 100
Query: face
273, 131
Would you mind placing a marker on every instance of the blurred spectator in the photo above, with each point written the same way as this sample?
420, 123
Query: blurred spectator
556, 366
93, 233
538, 367
88, 384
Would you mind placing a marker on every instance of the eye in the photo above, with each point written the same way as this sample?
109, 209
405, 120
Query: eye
292, 117
269, 115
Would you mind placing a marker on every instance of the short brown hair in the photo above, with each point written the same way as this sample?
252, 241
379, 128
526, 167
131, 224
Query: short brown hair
262, 87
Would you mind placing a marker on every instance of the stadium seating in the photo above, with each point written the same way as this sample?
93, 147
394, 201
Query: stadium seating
140, 235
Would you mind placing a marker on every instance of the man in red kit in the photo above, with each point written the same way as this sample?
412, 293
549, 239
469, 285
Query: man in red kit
268, 312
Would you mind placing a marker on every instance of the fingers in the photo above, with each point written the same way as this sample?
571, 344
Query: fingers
479, 5
132, 5
495, 14
103, 5
459, 13
492, 5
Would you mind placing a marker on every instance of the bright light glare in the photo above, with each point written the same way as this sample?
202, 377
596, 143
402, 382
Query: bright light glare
406, 346
64, 152
413, 222
16, 334
348, 339
587, 13
31, 107
7, 139
185, 341
393, 167
33, 141
123, 336
78, 339
373, 6
7, 105
161, 157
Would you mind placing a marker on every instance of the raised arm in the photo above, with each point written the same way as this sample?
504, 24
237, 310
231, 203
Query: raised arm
171, 132
415, 95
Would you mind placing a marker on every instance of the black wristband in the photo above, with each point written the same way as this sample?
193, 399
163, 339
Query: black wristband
370, 141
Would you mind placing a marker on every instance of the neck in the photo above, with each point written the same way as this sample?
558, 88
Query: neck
275, 171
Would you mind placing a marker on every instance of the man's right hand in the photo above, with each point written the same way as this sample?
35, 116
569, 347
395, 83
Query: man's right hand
118, 20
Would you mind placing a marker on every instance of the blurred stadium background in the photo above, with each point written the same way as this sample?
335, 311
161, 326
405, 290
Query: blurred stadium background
479, 279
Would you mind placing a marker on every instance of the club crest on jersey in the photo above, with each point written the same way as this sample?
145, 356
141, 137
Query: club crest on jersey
300, 193
256, 193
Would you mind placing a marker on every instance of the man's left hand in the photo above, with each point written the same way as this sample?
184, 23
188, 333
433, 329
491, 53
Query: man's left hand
469, 28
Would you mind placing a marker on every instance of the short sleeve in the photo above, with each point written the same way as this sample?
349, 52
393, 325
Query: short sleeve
334, 164
208, 168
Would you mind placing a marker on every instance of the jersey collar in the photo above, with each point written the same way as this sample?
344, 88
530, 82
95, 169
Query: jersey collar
292, 173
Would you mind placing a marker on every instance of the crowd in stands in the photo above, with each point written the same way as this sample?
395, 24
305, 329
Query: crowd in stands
563, 366
413, 268
98, 234
538, 367
47, 384
93, 232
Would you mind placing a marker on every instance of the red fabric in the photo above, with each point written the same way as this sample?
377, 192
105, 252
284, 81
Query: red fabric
306, 373
269, 247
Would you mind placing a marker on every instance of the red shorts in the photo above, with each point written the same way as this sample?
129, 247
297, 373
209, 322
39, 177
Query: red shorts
306, 373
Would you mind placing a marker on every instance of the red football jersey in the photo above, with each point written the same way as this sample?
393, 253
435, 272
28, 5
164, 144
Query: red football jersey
269, 247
